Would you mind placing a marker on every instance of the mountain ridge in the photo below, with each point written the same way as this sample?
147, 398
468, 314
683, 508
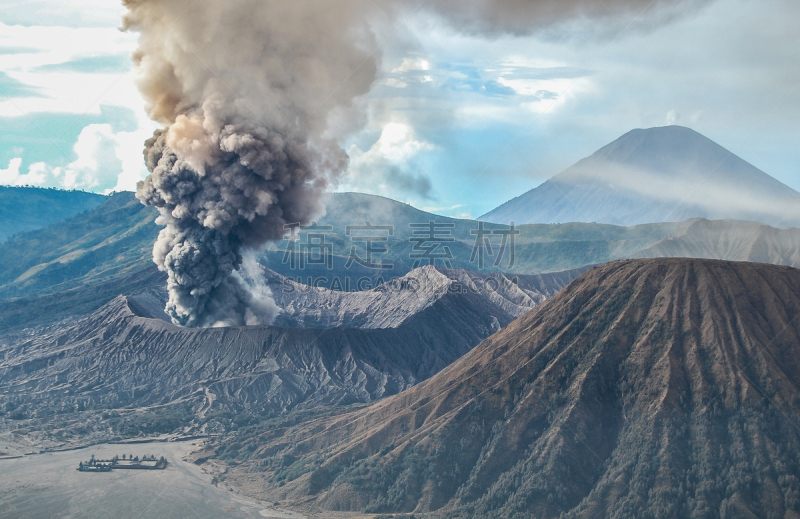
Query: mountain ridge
746, 241
124, 366
662, 174
21, 208
75, 266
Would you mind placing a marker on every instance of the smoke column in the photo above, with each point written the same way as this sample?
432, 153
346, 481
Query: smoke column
245, 91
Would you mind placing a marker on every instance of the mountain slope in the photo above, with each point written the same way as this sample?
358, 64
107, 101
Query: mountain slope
43, 309
647, 388
117, 366
113, 368
666, 174
113, 240
76, 266
25, 209
448, 292
730, 240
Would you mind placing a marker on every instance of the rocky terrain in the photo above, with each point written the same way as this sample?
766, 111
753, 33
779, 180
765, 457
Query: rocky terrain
647, 388
123, 371
687, 364
449, 293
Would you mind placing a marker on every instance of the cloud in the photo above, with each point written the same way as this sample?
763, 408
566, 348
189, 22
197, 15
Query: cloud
10, 175
694, 189
65, 70
729, 63
495, 88
104, 161
454, 211
414, 63
522, 17
722, 70
75, 13
390, 166
97, 166
10, 87
55, 80
37, 174
113, 63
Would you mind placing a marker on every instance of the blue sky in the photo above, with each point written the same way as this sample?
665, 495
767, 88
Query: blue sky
455, 124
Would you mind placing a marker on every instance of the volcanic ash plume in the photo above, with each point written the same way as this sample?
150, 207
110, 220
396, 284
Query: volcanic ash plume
245, 90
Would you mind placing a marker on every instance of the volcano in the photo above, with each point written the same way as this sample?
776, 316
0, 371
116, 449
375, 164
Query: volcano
646, 388
664, 174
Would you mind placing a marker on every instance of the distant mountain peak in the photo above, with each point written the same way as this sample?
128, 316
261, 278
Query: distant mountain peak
663, 174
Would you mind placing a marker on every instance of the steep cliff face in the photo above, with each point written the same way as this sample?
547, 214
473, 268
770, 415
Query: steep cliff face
647, 388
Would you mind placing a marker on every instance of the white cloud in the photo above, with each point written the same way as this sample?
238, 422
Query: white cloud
675, 117
388, 167
129, 146
672, 117
37, 175
398, 143
65, 91
10, 175
412, 70
105, 161
75, 13
453, 211
729, 63
434, 209
97, 166
395, 83
410, 64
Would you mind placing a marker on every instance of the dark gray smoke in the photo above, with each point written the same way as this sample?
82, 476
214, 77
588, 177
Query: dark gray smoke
246, 91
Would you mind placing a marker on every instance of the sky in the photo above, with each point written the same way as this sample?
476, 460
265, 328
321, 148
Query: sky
456, 124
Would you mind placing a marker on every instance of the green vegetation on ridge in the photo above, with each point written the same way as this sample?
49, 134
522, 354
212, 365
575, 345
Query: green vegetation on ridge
112, 240
25, 209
